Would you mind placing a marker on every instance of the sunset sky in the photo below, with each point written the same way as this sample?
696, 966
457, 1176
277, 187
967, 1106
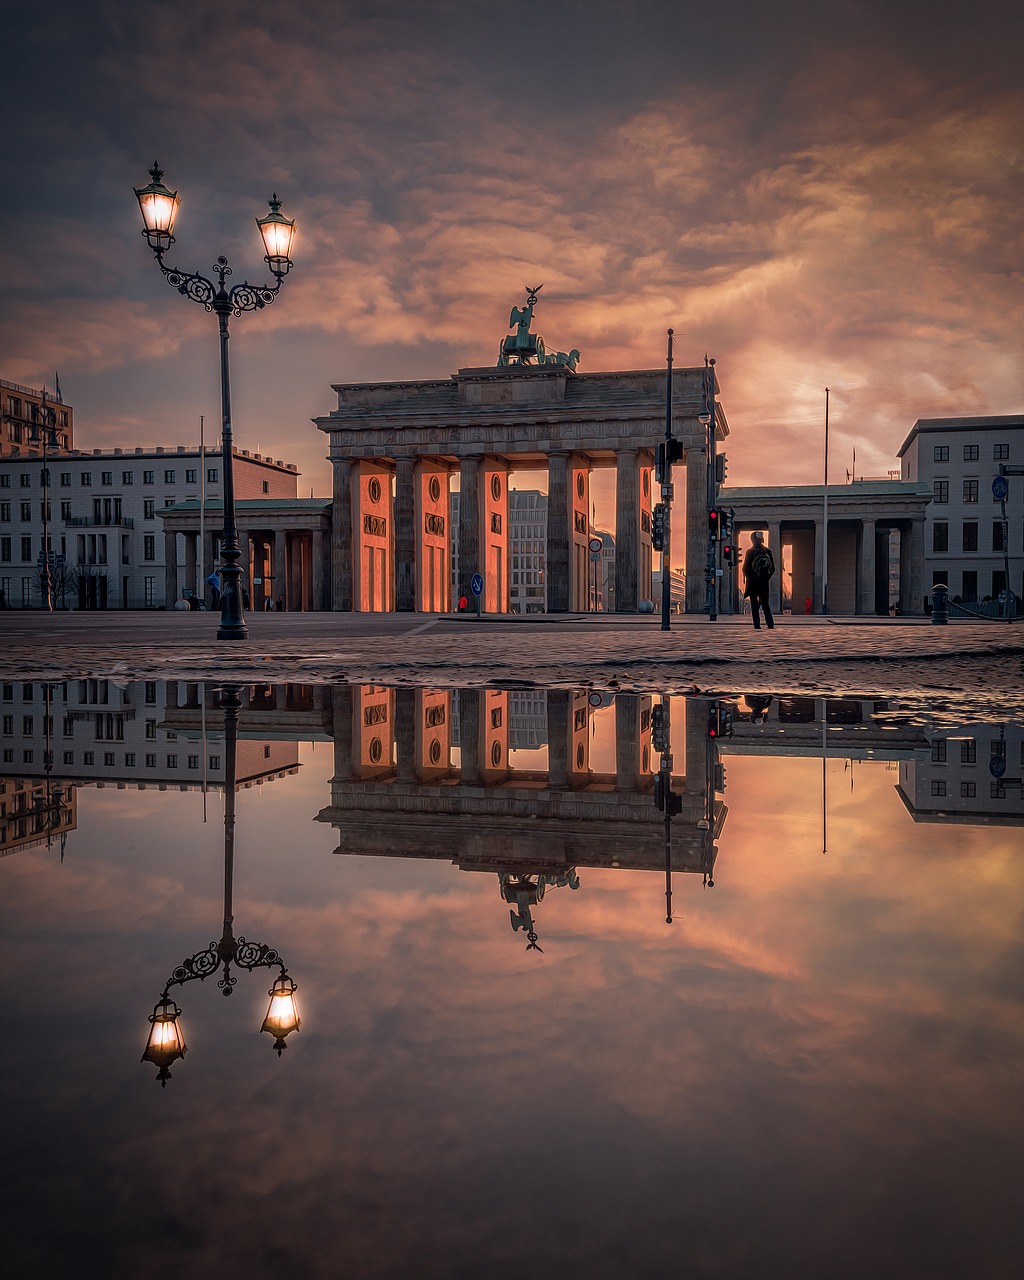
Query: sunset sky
816, 195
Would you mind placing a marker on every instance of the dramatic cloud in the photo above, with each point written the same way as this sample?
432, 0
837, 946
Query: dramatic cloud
814, 198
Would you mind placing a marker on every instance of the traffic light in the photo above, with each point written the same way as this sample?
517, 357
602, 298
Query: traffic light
668, 451
714, 522
720, 778
658, 526
659, 736
721, 462
665, 798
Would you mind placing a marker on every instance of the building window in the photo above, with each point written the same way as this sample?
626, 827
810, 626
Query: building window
5, 511
193, 762
108, 759
151, 729
26, 512
65, 511
169, 500
939, 751
150, 761
149, 477
106, 477
8, 755
88, 757
214, 762
26, 549
212, 476
148, 591
9, 725
129, 759
970, 491
149, 509
940, 490
938, 787
968, 751
69, 757
172, 762
190, 476
940, 453
997, 790
149, 546
970, 535
1000, 451
169, 477
970, 453
998, 583
27, 756
127, 477
26, 480
266, 486
26, 724
86, 479
940, 536
969, 586
150, 693
5, 550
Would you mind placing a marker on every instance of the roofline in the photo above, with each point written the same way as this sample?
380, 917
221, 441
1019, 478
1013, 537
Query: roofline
987, 422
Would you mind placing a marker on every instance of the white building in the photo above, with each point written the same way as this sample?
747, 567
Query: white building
959, 458
102, 515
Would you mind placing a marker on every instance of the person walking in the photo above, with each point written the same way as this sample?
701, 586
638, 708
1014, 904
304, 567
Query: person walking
758, 571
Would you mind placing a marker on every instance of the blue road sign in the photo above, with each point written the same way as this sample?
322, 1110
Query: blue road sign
477, 585
1000, 488
997, 766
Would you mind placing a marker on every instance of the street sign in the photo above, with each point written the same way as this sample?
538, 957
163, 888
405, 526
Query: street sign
595, 556
595, 699
477, 585
1000, 488
997, 766
595, 546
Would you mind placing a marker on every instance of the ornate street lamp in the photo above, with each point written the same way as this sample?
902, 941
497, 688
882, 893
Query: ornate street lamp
44, 431
159, 207
166, 1042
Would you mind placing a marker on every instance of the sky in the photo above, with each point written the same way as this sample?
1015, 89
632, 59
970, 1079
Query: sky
816, 195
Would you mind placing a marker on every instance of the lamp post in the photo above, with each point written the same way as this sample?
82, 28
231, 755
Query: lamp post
44, 431
166, 1042
707, 419
159, 210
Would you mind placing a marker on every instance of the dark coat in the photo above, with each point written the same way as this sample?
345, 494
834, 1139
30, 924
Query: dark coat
756, 584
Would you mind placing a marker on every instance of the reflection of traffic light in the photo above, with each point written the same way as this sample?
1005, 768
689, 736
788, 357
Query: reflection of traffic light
659, 737
720, 778
714, 723
658, 527
665, 798
725, 726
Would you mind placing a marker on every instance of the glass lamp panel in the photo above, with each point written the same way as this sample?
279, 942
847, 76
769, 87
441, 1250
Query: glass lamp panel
282, 1015
166, 1041
159, 210
278, 234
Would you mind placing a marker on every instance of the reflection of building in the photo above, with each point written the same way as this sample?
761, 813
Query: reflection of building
95, 731
34, 812
957, 459
105, 518
952, 782
851, 728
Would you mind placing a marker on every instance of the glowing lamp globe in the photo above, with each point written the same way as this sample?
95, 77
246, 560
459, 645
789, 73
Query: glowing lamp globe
166, 1042
159, 209
278, 234
282, 1016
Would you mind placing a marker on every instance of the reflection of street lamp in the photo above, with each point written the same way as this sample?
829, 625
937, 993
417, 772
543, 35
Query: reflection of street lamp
166, 1042
44, 431
159, 209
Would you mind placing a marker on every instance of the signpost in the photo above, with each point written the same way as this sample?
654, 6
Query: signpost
1000, 489
596, 547
477, 586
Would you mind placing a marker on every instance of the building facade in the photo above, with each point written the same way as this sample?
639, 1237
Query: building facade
101, 513
958, 458
19, 413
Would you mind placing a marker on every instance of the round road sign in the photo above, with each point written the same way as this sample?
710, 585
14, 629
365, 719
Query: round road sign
595, 545
477, 585
1000, 488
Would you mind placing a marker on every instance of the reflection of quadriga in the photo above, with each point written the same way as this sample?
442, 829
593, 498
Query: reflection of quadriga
524, 892
166, 1041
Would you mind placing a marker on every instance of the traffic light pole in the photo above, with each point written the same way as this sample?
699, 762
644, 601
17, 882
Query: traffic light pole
666, 498
711, 574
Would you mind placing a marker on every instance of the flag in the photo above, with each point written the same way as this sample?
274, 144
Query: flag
57, 395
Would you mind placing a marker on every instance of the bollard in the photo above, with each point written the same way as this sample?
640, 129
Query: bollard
940, 604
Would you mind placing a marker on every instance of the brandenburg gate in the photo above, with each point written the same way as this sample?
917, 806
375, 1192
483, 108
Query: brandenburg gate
395, 448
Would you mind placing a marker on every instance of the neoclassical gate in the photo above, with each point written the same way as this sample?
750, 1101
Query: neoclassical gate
484, 423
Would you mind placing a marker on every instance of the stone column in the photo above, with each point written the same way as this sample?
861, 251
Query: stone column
405, 535
696, 529
318, 569
210, 560
469, 736
819, 565
559, 738
627, 742
405, 734
190, 563
627, 529
280, 566
556, 560
245, 564
917, 583
866, 568
170, 568
695, 778
469, 524
342, 543
775, 586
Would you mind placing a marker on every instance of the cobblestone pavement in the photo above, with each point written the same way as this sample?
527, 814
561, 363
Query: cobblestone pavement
970, 663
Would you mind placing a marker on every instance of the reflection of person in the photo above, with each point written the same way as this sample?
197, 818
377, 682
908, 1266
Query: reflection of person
758, 704
758, 571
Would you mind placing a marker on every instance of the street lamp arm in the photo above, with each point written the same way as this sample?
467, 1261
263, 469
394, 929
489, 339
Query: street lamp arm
205, 963
215, 297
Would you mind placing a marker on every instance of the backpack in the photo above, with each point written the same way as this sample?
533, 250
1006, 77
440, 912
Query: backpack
761, 563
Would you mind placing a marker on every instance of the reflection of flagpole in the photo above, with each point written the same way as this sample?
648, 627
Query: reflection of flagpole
205, 756
824, 521
824, 782
202, 523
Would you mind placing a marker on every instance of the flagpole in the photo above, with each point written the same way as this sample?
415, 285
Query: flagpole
202, 507
824, 521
